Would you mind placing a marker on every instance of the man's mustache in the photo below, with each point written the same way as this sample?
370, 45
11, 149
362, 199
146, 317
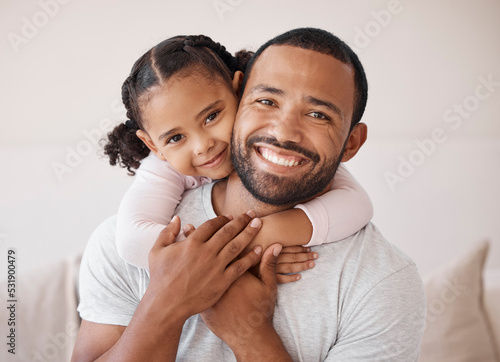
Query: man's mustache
288, 145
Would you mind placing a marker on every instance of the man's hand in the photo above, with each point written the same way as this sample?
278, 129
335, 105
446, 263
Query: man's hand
194, 273
242, 318
187, 277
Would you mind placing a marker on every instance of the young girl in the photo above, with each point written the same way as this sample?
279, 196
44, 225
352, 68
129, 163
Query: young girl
181, 100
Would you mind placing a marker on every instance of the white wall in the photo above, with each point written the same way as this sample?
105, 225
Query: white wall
61, 80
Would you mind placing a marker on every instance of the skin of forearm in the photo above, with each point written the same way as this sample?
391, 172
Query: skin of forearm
152, 335
264, 345
289, 228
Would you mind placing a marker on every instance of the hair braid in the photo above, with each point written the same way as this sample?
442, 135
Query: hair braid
220, 50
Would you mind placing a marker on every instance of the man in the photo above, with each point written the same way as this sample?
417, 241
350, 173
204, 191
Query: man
302, 98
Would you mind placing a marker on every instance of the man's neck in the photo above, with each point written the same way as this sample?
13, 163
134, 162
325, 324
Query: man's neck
231, 197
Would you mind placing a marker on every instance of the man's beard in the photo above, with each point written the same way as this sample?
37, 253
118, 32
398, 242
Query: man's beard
281, 190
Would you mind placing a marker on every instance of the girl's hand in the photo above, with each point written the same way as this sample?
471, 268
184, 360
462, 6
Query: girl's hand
292, 260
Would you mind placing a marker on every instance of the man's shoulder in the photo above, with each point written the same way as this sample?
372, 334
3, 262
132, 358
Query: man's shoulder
369, 247
376, 250
365, 259
110, 288
101, 254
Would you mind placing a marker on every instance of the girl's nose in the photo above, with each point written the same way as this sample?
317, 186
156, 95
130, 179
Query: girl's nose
203, 143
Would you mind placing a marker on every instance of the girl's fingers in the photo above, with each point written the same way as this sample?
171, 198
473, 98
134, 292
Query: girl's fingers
282, 279
188, 229
295, 249
297, 257
286, 268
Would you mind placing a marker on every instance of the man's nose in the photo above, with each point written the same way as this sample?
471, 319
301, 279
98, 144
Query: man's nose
287, 127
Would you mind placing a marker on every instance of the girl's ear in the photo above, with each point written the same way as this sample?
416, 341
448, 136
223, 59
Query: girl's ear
237, 82
356, 139
149, 142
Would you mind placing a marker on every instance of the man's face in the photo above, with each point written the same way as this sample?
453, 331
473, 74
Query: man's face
292, 124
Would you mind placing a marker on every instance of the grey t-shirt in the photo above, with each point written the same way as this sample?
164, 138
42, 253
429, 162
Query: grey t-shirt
364, 300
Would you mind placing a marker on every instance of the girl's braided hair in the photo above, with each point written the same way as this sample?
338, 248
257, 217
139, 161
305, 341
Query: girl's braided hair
154, 68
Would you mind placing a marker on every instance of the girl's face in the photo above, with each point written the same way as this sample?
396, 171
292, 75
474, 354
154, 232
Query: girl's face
189, 121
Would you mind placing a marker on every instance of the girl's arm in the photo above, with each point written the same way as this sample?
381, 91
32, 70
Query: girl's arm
331, 217
148, 206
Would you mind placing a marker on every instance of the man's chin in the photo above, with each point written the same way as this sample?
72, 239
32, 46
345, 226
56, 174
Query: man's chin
280, 191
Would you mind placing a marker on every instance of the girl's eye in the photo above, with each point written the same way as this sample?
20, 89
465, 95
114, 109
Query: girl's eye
266, 102
176, 138
211, 117
318, 115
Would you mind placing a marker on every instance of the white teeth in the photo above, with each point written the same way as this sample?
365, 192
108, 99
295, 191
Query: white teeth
278, 161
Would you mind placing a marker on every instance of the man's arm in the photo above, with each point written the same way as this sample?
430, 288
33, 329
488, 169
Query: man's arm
242, 318
187, 277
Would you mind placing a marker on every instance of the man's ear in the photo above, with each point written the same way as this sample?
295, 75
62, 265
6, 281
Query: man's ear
355, 140
149, 142
237, 82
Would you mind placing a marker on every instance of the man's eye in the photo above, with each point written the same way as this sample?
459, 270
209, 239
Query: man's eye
211, 117
318, 115
176, 138
266, 102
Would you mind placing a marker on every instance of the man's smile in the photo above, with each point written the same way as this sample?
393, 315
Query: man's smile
280, 158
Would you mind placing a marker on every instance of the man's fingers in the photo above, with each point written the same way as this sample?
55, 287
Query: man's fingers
169, 233
206, 230
268, 264
232, 239
240, 266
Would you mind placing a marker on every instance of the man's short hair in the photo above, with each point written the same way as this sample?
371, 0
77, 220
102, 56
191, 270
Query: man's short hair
323, 42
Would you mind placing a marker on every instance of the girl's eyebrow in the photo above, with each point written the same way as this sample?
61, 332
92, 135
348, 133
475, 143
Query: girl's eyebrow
200, 114
169, 133
209, 107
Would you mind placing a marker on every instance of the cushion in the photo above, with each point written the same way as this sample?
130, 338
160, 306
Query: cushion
491, 301
457, 328
45, 313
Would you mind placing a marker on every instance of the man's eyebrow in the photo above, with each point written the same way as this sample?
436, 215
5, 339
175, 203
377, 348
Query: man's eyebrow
329, 105
267, 89
169, 133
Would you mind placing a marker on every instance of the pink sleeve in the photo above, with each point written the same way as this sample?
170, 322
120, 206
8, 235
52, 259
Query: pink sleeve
148, 206
340, 212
